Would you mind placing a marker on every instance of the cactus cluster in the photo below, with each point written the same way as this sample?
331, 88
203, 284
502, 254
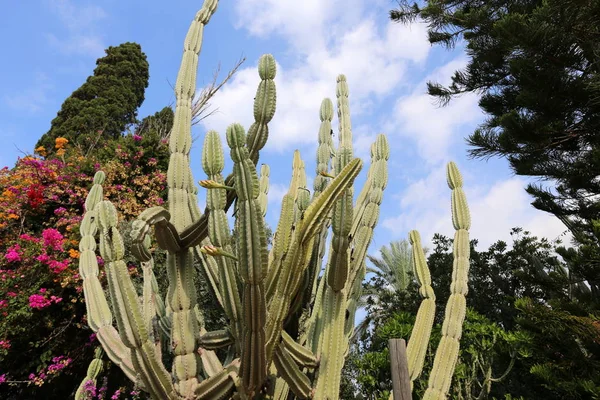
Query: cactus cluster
289, 320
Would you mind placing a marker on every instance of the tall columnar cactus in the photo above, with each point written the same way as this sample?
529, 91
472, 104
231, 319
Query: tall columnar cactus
288, 320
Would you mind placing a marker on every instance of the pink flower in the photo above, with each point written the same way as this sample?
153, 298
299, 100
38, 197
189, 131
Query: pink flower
57, 267
2, 378
12, 254
60, 211
90, 388
5, 344
137, 138
53, 238
43, 258
27, 237
38, 302
11, 294
58, 364
116, 395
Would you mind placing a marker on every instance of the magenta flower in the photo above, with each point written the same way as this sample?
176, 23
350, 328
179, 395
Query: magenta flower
53, 238
137, 138
27, 237
12, 254
38, 301
43, 258
90, 388
2, 378
60, 211
57, 266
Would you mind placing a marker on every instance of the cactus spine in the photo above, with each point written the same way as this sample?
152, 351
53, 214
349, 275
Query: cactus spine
274, 339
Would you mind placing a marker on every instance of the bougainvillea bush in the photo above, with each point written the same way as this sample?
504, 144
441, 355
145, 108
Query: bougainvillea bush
45, 343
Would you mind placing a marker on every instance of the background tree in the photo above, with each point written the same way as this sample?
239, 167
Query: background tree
105, 104
392, 274
513, 288
536, 65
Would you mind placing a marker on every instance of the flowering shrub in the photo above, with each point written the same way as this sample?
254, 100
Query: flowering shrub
44, 337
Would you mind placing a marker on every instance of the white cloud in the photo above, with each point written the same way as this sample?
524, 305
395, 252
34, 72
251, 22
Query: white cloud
80, 22
433, 128
78, 44
276, 192
77, 17
495, 209
324, 39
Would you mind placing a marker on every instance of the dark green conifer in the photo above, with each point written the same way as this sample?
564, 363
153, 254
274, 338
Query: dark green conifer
105, 104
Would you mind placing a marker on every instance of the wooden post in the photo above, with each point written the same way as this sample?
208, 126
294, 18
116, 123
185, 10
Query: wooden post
400, 378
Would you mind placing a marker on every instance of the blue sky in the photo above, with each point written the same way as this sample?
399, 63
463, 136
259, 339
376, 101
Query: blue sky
51, 47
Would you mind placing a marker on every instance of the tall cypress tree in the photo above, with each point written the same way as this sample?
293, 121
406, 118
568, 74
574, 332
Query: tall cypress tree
106, 103
536, 64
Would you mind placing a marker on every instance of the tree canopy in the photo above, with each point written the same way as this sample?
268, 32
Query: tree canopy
105, 104
535, 64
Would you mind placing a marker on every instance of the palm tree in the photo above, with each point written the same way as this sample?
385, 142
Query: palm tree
395, 265
395, 269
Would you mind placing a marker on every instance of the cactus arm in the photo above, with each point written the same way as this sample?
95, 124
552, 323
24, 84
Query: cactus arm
213, 162
324, 152
93, 371
300, 247
264, 106
117, 352
166, 235
264, 109
181, 295
300, 354
368, 210
252, 251
288, 370
336, 289
264, 189
320, 207
148, 295
419, 338
283, 236
98, 313
332, 346
446, 355
314, 330
216, 339
282, 389
219, 386
130, 320
343, 210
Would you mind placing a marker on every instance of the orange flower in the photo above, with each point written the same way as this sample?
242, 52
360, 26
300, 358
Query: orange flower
41, 151
73, 253
13, 216
60, 142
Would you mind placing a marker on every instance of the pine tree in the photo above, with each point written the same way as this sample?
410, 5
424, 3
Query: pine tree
536, 65
105, 104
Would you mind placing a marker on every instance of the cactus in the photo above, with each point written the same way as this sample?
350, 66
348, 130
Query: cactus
94, 369
288, 322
